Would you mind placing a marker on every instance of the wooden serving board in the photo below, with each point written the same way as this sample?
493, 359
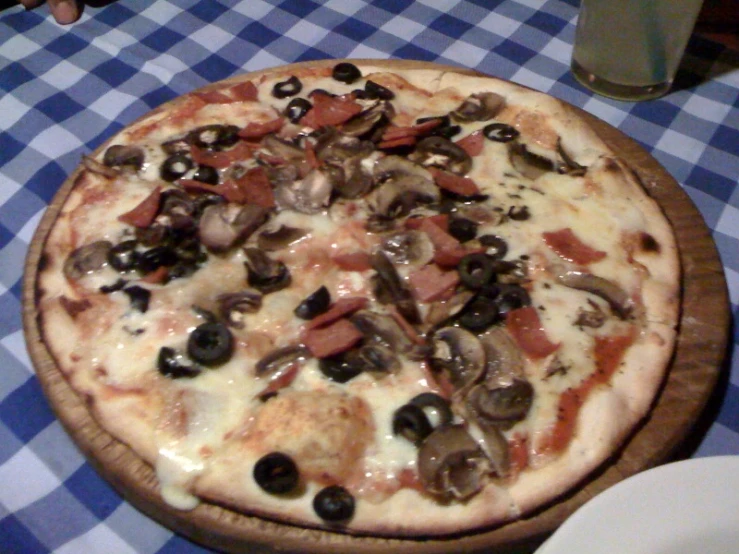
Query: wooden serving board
693, 374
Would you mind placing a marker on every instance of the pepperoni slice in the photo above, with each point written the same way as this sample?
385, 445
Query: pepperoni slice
353, 261
228, 190
401, 141
441, 221
464, 186
254, 130
333, 339
430, 283
143, 215
394, 133
472, 143
330, 110
340, 308
256, 188
245, 91
568, 246
214, 97
447, 250
525, 326
221, 160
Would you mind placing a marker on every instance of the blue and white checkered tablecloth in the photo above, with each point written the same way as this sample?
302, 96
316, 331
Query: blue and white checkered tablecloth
64, 90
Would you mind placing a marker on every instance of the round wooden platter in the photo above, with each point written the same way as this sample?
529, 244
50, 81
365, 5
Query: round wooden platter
693, 373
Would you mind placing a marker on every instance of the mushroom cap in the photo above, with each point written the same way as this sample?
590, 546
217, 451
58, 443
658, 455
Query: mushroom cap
451, 464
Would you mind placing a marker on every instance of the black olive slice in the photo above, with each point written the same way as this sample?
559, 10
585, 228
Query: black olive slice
378, 91
480, 313
314, 305
265, 274
139, 297
206, 174
339, 368
115, 287
155, 258
123, 256
296, 109
168, 364
175, 167
511, 297
276, 473
360, 94
210, 344
519, 213
496, 247
462, 229
316, 91
435, 402
500, 132
445, 129
334, 503
285, 89
410, 422
475, 270
346, 72
214, 137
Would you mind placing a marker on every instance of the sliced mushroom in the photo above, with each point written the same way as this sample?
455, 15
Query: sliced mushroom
494, 444
374, 358
530, 165
570, 166
460, 354
391, 287
394, 167
335, 147
442, 311
87, 259
398, 197
310, 195
618, 300
274, 364
501, 406
119, 155
223, 226
367, 120
281, 175
451, 464
265, 274
503, 360
177, 201
383, 329
439, 152
357, 181
283, 149
411, 247
479, 107
100, 169
233, 305
282, 237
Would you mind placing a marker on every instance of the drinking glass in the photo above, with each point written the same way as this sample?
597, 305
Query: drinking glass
631, 49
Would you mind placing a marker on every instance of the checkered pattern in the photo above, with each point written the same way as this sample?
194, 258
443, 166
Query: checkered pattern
66, 89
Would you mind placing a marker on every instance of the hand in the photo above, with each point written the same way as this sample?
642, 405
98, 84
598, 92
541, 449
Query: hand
64, 11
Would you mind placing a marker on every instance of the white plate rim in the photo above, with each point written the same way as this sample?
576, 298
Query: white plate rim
664, 504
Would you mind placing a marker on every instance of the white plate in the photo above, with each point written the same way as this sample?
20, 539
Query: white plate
688, 507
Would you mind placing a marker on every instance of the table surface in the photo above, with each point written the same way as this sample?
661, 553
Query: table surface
64, 90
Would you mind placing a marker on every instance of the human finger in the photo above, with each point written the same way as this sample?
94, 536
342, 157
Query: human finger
64, 11
30, 4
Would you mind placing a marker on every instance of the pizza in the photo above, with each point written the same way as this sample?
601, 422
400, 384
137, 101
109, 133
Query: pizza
404, 301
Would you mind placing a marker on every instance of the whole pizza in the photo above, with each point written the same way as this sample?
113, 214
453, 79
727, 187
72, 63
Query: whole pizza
389, 301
